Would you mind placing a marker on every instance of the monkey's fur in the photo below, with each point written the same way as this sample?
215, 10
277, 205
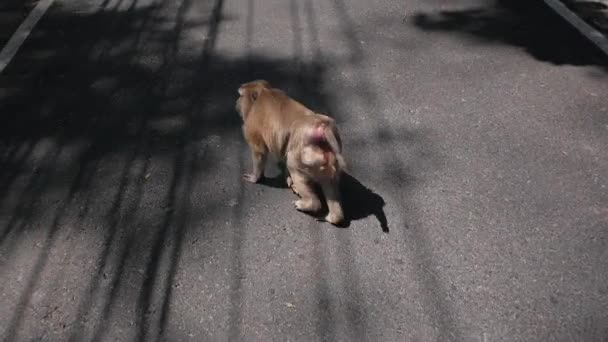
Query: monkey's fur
307, 142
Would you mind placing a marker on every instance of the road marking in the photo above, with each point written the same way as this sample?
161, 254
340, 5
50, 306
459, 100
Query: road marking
585, 29
24, 30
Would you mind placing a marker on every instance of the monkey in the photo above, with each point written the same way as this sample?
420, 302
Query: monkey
308, 143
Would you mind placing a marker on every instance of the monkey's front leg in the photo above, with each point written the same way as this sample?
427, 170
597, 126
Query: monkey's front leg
258, 156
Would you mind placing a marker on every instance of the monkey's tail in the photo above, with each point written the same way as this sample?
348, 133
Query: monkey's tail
333, 139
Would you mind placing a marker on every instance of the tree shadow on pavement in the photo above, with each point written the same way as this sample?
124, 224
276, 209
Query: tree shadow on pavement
107, 129
530, 25
593, 12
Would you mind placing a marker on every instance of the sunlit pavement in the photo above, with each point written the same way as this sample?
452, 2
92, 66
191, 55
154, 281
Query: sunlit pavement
476, 130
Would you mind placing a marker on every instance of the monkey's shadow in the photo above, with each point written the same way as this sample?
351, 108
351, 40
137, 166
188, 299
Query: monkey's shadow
358, 201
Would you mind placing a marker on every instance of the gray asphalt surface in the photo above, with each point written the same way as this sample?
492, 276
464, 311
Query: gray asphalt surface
477, 130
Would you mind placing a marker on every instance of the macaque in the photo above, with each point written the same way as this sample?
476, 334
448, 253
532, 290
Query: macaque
308, 143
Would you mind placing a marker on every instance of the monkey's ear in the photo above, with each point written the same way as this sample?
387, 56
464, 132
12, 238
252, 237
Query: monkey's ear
254, 95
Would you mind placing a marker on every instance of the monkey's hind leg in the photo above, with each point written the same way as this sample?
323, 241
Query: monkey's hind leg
308, 202
332, 196
289, 182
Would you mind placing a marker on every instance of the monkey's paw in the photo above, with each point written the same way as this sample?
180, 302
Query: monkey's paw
305, 205
300, 205
251, 178
335, 219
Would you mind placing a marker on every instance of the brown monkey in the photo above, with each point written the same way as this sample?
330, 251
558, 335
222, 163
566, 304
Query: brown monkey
307, 142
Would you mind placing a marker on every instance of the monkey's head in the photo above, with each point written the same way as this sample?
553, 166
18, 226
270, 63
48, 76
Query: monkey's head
248, 94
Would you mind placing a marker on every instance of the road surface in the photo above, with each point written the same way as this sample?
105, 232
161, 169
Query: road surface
475, 131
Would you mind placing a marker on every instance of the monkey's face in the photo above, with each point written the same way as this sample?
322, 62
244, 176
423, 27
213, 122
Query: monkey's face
248, 94
239, 104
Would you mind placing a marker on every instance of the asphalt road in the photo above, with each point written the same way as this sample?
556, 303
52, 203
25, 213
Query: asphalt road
475, 132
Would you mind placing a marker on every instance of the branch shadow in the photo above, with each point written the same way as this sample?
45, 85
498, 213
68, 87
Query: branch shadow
106, 112
530, 25
593, 12
433, 291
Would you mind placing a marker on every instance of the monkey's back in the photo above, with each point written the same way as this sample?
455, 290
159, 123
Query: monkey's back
272, 117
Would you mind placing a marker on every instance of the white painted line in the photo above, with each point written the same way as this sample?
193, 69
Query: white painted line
585, 29
24, 30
